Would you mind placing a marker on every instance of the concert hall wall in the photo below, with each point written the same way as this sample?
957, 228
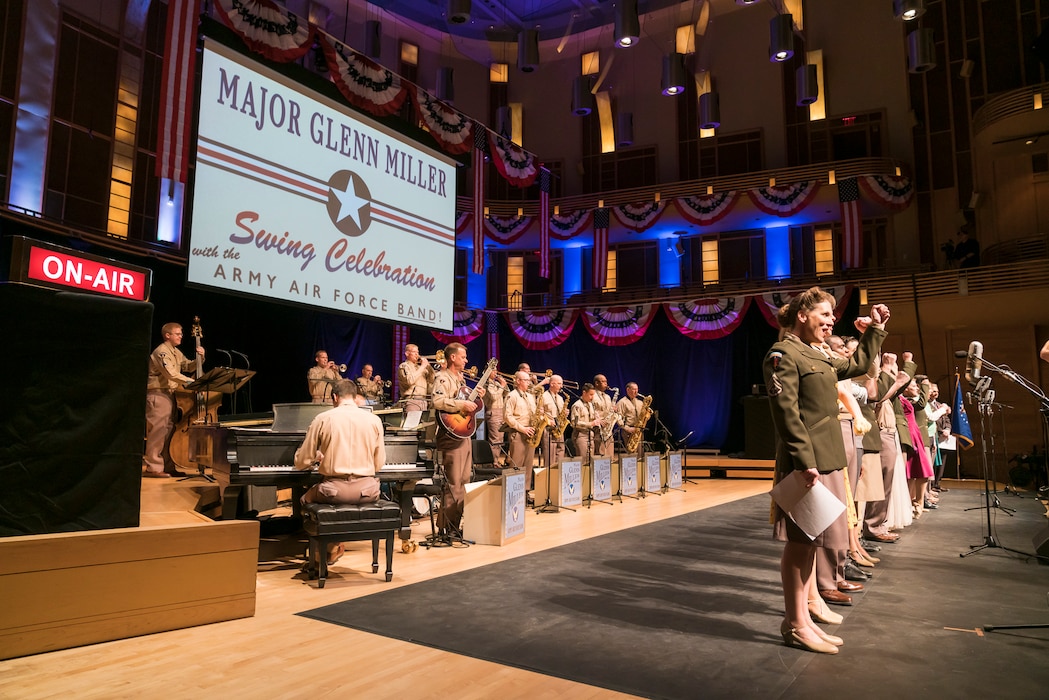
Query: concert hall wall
72, 410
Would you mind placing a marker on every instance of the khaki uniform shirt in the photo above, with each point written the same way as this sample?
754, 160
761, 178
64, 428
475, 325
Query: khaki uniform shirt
320, 381
582, 415
446, 386
519, 409
371, 389
414, 379
166, 367
630, 409
350, 440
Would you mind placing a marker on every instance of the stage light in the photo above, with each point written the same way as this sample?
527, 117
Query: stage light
528, 50
921, 51
445, 90
709, 110
907, 10
625, 129
673, 74
373, 38
806, 84
628, 28
582, 98
458, 11
781, 38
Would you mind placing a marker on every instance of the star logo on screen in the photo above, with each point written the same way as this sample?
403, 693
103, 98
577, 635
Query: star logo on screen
349, 203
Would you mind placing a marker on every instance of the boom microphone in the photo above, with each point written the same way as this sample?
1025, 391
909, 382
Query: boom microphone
228, 356
961, 353
974, 364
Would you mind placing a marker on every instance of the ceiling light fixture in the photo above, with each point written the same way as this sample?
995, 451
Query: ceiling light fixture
459, 11
907, 10
781, 38
673, 74
628, 28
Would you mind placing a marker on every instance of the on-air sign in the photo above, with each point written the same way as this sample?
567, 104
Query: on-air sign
53, 266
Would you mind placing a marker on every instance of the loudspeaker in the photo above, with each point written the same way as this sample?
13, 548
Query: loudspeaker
373, 38
1041, 545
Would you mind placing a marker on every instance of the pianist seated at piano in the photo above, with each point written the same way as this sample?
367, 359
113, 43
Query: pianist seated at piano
345, 445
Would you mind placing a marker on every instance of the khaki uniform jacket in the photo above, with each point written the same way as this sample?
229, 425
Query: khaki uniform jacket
166, 367
518, 410
414, 379
350, 438
804, 400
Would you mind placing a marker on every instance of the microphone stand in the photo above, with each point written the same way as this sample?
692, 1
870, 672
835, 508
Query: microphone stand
247, 365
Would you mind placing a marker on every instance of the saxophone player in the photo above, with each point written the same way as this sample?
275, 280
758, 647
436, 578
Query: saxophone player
603, 447
555, 405
586, 424
518, 413
630, 408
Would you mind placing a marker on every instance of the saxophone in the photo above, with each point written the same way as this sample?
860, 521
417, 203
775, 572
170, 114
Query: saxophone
562, 422
610, 418
540, 419
633, 440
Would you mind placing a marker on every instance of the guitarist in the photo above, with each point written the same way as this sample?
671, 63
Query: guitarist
449, 390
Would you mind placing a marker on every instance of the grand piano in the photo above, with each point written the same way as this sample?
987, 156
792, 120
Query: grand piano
242, 457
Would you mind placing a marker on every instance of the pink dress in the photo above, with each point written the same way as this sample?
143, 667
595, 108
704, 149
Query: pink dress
918, 465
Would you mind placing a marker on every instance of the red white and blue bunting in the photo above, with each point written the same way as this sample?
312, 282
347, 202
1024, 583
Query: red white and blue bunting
462, 218
268, 29
707, 209
638, 217
362, 81
618, 325
784, 201
506, 229
517, 166
452, 129
567, 226
888, 191
707, 319
770, 302
466, 326
542, 330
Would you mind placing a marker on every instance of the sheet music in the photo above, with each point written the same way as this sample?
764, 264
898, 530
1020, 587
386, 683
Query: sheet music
411, 420
811, 509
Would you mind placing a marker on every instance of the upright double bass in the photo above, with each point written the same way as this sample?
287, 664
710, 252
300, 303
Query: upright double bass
192, 407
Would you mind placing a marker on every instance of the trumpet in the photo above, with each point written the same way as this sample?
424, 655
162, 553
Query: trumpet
387, 384
341, 368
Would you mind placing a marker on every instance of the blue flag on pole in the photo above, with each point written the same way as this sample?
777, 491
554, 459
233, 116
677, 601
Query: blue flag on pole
960, 427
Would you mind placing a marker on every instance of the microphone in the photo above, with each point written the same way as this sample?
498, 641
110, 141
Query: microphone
247, 365
974, 364
229, 357
961, 353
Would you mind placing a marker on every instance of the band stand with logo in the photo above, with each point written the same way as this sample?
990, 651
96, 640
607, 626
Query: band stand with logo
597, 478
649, 477
562, 486
624, 477
494, 511
671, 473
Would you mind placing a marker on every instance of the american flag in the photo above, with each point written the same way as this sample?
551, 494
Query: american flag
600, 262
491, 320
544, 223
400, 340
176, 90
480, 147
851, 223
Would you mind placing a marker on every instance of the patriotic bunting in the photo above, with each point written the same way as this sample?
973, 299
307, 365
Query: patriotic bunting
618, 325
770, 302
507, 229
784, 201
362, 81
542, 330
462, 218
600, 261
516, 165
401, 337
707, 209
707, 319
567, 226
265, 27
466, 326
452, 129
851, 224
638, 217
892, 192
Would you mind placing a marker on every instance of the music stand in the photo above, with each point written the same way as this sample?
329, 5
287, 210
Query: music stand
223, 380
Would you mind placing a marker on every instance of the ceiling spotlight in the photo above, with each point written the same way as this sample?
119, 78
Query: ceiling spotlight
528, 50
747, 2
781, 38
582, 98
907, 10
709, 110
673, 74
921, 51
628, 29
458, 11
806, 85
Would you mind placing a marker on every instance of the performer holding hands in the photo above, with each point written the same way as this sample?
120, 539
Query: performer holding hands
801, 378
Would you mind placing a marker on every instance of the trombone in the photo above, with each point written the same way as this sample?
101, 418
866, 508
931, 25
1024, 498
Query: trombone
436, 359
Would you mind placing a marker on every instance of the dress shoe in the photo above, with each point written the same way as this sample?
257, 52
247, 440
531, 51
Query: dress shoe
887, 538
860, 558
156, 475
849, 587
335, 553
792, 639
870, 548
855, 573
931, 506
835, 597
819, 612
940, 489
829, 638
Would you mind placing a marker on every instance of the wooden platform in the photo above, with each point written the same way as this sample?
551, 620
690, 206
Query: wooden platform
177, 569
701, 464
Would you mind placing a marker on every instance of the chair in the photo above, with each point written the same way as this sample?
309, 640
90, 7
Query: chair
484, 466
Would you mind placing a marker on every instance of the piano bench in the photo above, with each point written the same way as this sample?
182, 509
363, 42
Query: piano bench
326, 524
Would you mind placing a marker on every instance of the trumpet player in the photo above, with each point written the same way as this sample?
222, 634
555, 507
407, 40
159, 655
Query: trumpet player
586, 424
415, 377
322, 376
603, 406
370, 385
553, 445
494, 410
629, 407
518, 413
